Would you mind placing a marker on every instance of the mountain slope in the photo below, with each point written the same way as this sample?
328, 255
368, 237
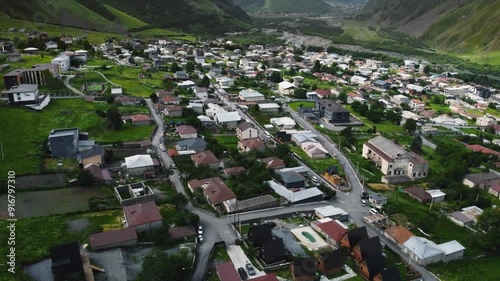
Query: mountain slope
455, 25
284, 6
199, 16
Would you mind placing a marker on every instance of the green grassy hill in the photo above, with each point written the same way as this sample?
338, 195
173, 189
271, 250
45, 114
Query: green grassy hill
284, 6
121, 16
453, 25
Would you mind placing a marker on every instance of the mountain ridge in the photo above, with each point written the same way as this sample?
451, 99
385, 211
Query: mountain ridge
284, 6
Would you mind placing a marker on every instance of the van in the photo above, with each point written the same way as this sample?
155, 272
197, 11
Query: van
373, 211
363, 202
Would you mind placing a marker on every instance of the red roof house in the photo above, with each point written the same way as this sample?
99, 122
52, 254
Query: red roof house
113, 238
205, 158
143, 216
227, 272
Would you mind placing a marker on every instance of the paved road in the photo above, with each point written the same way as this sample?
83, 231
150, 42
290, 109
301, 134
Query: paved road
68, 85
426, 142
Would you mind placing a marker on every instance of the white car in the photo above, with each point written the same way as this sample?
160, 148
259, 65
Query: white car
314, 179
162, 147
200, 230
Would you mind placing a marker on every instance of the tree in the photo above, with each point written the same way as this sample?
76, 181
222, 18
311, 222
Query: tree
489, 221
416, 144
154, 97
115, 118
316, 67
158, 266
101, 113
84, 177
276, 77
427, 69
109, 99
300, 94
205, 82
342, 97
492, 105
410, 126
179, 200
174, 67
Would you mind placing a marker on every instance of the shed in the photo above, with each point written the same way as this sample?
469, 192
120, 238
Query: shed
113, 238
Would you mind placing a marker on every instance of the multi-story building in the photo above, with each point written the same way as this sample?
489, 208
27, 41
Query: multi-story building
332, 111
38, 74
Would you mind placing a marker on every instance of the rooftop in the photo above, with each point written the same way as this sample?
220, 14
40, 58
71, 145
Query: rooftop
111, 237
142, 213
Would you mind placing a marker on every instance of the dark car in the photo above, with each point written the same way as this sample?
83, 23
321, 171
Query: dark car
243, 274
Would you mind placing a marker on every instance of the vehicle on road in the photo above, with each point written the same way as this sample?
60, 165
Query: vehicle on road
363, 202
200, 230
200, 239
243, 274
250, 268
314, 179
373, 211
364, 195
162, 147
173, 166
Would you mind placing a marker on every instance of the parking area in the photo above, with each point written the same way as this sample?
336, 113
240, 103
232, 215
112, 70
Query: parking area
239, 259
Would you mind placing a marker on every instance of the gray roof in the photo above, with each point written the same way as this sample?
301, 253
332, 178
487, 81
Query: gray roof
451, 247
96, 150
378, 196
22, 88
460, 217
64, 132
331, 106
192, 143
475, 178
289, 177
422, 247
387, 147
256, 201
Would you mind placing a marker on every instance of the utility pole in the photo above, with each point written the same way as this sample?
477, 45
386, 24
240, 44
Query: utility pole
460, 201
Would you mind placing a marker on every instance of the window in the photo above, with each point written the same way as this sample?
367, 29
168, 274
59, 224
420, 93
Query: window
389, 173
390, 166
414, 174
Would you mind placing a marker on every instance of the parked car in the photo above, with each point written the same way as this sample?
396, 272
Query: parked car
200, 239
200, 230
314, 179
250, 268
173, 166
243, 274
364, 195
363, 202
162, 147
373, 211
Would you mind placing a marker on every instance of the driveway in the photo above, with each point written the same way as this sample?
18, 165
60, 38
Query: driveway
239, 259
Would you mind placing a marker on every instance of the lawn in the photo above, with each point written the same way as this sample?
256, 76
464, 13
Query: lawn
162, 33
84, 78
128, 78
227, 141
23, 136
220, 254
296, 104
319, 165
124, 19
490, 57
55, 164
359, 30
34, 236
385, 126
485, 269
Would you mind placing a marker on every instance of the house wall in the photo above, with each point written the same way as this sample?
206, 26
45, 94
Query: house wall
230, 125
269, 109
453, 256
363, 270
310, 200
115, 245
214, 166
64, 64
148, 226
299, 184
418, 170
249, 133
494, 193
26, 97
139, 171
142, 123
356, 252
173, 113
92, 160
316, 155
189, 136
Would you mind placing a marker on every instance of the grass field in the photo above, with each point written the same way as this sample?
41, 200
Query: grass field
384, 126
359, 30
36, 235
319, 165
24, 135
295, 105
227, 141
159, 33
485, 268
129, 80
124, 19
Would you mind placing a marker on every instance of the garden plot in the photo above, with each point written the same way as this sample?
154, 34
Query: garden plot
309, 238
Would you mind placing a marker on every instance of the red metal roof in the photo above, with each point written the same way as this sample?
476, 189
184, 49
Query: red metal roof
185, 129
333, 229
111, 237
142, 213
140, 118
205, 157
227, 272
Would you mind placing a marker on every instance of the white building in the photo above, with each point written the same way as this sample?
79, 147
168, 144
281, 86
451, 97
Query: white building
63, 61
484, 121
251, 95
286, 88
228, 119
269, 107
283, 123
225, 82
423, 251
137, 165
359, 80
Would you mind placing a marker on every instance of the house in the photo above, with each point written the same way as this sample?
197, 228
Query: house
494, 190
246, 130
201, 92
66, 261
233, 171
273, 251
330, 262
352, 237
181, 232
308, 195
227, 272
332, 175
292, 180
400, 99
205, 158
168, 99
113, 238
461, 219
143, 216
197, 107
286, 88
173, 111
381, 84
273, 162
269, 107
38, 74
196, 144
258, 234
377, 199
314, 150
371, 266
418, 194
138, 165
229, 120
388, 274
437, 196
94, 155
417, 105
250, 144
452, 251
332, 112
398, 234
63, 61
116, 91
66, 143
331, 212
481, 149
181, 76
51, 45
393, 160
482, 180
422, 250
333, 230
251, 95
27, 94
225, 82
303, 269
255, 203
283, 123
138, 120
216, 191
186, 132
367, 248
99, 176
